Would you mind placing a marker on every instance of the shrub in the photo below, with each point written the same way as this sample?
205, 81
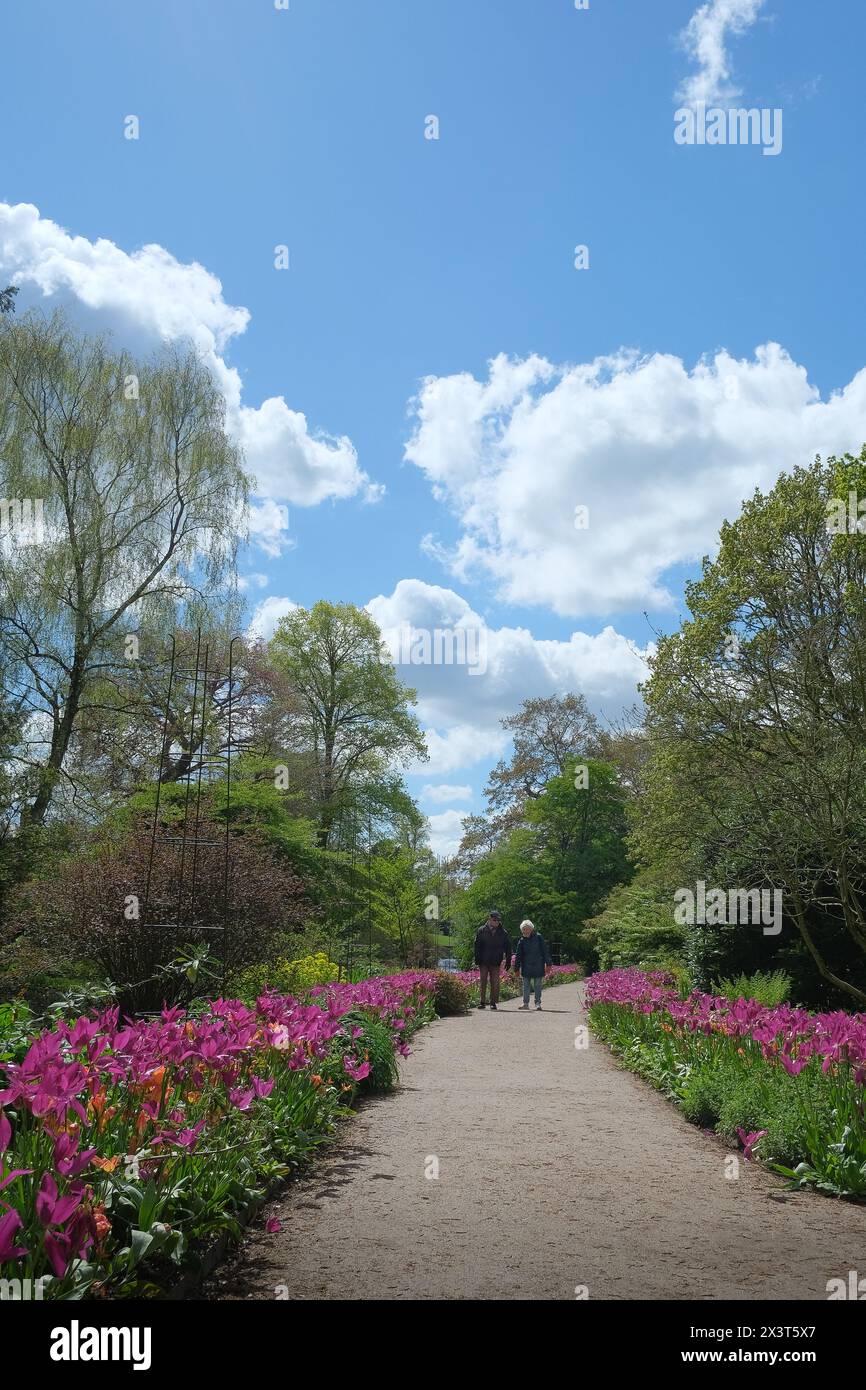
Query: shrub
797, 1112
744, 1101
16, 1029
82, 909
27, 969
451, 996
286, 976
679, 974
636, 927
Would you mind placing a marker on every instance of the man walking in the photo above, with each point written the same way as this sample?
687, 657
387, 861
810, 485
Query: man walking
491, 946
531, 958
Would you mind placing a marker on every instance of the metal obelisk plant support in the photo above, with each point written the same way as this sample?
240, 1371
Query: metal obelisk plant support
226, 916
197, 721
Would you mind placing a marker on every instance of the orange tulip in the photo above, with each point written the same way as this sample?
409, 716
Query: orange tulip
54, 1125
106, 1165
101, 1224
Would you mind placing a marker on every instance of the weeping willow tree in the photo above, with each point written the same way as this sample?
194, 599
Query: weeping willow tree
123, 501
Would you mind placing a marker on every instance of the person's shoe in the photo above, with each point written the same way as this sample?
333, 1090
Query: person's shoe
538, 1006
524, 1006
493, 1006
481, 1006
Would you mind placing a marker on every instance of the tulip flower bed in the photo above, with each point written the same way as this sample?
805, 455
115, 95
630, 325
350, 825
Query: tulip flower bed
785, 1083
511, 985
125, 1147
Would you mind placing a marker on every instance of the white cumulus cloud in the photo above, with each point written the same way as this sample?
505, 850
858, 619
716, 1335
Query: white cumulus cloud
461, 711
659, 454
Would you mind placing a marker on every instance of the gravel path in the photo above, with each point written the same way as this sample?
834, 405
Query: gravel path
556, 1170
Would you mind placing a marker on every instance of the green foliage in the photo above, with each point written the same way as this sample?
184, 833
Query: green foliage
768, 988
395, 893
363, 884
728, 1096
581, 827
142, 502
680, 975
558, 867
17, 1025
256, 805
509, 880
700, 1097
355, 715
636, 927
143, 494
549, 734
375, 1045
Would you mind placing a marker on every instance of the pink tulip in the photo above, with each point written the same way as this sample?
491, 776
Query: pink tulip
749, 1141
9, 1224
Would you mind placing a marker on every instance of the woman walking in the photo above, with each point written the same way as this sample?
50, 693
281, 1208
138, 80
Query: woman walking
531, 958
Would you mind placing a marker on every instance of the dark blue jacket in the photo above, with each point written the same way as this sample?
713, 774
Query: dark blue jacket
532, 955
492, 946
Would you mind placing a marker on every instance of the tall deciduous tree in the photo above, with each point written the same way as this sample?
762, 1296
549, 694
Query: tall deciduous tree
580, 820
756, 717
547, 734
355, 715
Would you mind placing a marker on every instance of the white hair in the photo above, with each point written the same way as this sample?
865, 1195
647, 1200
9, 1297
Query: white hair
526, 923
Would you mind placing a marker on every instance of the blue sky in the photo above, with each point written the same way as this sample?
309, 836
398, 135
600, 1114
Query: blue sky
416, 260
